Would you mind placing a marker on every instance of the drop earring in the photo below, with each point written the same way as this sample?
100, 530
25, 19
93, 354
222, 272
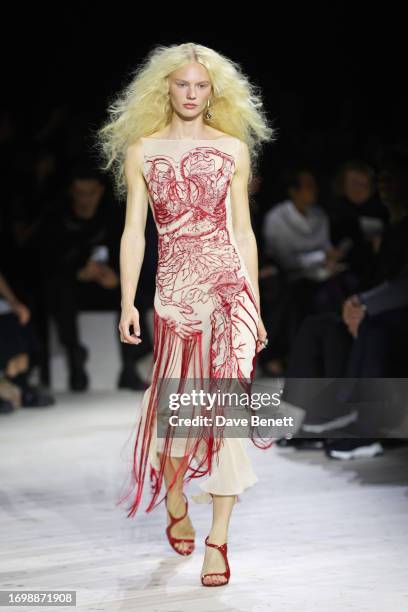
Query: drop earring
208, 114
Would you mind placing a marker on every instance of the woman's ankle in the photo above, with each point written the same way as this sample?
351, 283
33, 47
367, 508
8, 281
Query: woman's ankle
218, 535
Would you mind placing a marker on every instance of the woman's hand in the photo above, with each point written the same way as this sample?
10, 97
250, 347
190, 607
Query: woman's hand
262, 336
130, 316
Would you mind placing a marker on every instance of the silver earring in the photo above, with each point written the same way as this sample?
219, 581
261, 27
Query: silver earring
208, 114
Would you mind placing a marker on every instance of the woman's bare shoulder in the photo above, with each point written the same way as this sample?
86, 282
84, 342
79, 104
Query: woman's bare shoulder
134, 155
211, 134
135, 149
242, 150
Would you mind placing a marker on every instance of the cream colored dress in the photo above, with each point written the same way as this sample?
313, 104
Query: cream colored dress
205, 313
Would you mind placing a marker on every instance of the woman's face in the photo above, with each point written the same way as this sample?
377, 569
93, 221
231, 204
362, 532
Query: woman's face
357, 187
191, 86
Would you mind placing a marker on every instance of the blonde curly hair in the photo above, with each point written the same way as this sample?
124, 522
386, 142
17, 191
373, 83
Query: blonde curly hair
144, 107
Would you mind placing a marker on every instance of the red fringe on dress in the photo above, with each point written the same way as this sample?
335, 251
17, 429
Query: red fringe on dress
168, 346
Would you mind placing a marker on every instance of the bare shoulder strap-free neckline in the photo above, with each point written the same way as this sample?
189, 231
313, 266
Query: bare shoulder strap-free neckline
200, 141
187, 139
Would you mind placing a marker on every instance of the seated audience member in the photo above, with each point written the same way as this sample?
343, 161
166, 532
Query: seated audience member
79, 242
18, 345
38, 188
296, 231
357, 215
296, 236
368, 340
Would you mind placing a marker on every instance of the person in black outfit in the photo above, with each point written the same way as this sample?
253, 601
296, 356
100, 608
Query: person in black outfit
357, 215
79, 243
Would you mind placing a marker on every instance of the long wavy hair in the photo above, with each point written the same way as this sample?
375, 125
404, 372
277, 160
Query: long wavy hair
144, 107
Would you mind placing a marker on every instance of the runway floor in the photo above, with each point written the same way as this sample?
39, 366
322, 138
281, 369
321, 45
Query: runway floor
313, 534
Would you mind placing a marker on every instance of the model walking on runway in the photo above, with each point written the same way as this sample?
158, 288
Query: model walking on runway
183, 138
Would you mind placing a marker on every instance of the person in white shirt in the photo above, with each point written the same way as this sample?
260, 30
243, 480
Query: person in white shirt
296, 232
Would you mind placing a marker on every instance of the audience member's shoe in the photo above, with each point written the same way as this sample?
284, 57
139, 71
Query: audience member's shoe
22, 394
34, 397
353, 448
336, 418
78, 378
301, 443
6, 406
129, 379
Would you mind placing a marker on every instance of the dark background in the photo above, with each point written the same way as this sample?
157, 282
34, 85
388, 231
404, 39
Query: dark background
332, 76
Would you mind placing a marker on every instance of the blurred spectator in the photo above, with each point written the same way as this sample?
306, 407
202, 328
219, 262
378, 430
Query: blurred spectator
296, 231
35, 194
18, 344
370, 338
357, 215
313, 279
79, 243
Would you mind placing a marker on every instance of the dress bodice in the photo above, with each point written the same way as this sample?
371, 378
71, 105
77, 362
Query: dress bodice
188, 182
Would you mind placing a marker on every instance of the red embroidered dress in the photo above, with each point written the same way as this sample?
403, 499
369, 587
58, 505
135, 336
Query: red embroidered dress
205, 314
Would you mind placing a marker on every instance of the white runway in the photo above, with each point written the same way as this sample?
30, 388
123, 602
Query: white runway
313, 534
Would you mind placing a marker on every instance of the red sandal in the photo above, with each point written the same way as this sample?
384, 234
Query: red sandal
223, 550
172, 540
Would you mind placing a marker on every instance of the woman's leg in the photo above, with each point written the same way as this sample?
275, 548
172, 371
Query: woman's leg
213, 560
176, 503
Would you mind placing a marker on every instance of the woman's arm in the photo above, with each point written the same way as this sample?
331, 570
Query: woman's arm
241, 218
132, 244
